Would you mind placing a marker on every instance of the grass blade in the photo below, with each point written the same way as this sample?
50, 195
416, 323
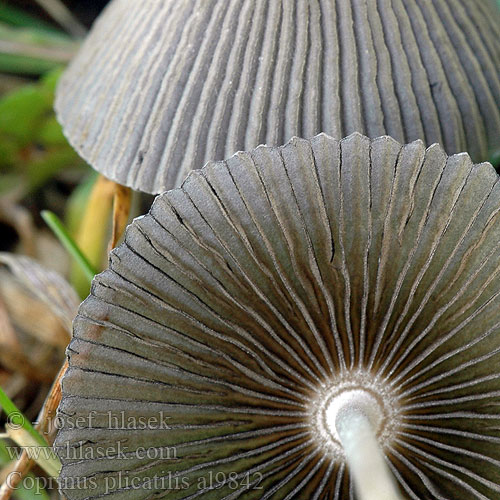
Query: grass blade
59, 230
17, 419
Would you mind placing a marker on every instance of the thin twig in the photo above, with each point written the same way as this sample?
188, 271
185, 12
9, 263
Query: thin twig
46, 426
15, 476
63, 16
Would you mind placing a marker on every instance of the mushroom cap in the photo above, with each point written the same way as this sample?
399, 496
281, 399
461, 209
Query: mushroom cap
163, 86
232, 316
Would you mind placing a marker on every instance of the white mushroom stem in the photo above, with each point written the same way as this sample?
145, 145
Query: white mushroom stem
372, 478
352, 418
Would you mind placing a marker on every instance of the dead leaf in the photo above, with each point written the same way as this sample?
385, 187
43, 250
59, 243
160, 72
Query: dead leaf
46, 285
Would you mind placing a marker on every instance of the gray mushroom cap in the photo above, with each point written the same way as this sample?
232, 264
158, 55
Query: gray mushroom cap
205, 356
162, 86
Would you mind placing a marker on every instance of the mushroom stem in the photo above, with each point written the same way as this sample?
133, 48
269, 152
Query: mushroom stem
372, 478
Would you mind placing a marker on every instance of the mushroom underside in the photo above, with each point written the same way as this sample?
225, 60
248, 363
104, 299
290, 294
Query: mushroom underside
207, 356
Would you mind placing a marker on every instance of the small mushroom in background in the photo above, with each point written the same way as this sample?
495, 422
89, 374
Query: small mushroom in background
288, 318
162, 86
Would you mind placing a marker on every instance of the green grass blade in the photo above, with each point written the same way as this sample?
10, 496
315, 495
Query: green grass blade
17, 419
33, 52
59, 230
25, 435
21, 65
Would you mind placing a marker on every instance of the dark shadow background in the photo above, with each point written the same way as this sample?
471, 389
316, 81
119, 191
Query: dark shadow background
85, 10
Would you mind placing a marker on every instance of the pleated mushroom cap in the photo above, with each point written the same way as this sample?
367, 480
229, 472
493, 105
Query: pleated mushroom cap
269, 284
162, 86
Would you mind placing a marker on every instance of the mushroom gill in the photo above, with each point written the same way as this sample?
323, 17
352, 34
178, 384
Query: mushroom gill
255, 302
163, 86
